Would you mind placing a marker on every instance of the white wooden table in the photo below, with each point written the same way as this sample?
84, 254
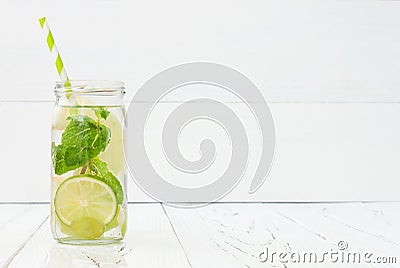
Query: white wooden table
218, 235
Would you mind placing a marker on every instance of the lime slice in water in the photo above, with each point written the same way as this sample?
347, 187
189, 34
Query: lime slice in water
87, 227
83, 199
114, 153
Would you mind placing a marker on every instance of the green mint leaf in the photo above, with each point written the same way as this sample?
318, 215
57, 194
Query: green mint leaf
57, 153
99, 168
101, 112
82, 140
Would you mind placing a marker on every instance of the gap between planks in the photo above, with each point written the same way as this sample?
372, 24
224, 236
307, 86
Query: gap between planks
176, 235
9, 261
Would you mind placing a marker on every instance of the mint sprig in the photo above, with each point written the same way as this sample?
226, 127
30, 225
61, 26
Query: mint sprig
101, 112
99, 168
82, 140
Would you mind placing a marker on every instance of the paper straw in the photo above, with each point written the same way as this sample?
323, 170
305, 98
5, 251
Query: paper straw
59, 63
54, 51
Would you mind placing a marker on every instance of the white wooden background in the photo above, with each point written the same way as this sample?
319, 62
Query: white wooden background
218, 235
329, 68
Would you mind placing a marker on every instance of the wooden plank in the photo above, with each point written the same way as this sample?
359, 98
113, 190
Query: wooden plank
328, 137
218, 235
381, 220
150, 242
18, 229
390, 214
361, 230
9, 212
364, 228
233, 235
330, 50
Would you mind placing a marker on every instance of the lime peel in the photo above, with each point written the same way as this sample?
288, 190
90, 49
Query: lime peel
85, 196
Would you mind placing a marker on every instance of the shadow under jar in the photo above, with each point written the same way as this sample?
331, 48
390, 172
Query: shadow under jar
88, 175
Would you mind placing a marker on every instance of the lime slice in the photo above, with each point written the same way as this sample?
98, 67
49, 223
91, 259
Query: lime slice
60, 115
114, 154
87, 227
114, 222
85, 197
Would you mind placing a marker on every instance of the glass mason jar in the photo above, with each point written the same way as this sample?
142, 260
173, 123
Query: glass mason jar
88, 175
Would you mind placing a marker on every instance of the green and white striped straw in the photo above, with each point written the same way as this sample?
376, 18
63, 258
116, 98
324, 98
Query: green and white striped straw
54, 51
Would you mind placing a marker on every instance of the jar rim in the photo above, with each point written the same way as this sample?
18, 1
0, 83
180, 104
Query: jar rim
95, 87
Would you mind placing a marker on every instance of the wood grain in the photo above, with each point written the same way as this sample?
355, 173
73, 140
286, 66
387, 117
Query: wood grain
18, 224
150, 242
218, 235
234, 235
